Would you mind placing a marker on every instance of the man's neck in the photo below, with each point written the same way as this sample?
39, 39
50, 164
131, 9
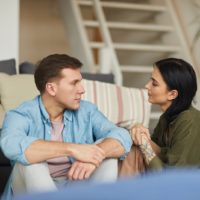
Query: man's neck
55, 112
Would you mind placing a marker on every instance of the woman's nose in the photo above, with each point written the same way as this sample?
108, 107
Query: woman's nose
147, 85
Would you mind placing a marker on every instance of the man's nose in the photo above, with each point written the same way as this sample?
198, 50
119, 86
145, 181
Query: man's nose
81, 89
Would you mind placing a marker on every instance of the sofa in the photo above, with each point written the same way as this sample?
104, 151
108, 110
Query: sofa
123, 106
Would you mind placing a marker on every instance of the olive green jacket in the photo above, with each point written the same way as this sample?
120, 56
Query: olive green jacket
184, 149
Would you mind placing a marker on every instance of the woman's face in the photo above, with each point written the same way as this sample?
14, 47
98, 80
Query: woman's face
158, 92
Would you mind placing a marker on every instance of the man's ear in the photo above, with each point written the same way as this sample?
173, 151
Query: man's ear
173, 94
51, 88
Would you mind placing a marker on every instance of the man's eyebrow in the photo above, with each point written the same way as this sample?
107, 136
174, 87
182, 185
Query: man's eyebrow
77, 80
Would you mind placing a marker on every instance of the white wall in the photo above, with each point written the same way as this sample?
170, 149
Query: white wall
188, 12
41, 30
9, 29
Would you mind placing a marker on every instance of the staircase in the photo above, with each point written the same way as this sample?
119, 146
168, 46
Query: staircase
124, 37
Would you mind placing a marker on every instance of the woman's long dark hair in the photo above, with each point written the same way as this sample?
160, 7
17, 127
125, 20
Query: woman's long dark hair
178, 75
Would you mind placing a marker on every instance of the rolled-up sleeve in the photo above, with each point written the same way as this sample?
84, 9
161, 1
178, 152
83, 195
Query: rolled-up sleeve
14, 138
103, 128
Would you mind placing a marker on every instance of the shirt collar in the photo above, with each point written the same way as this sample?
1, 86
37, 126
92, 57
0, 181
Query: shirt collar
68, 115
45, 115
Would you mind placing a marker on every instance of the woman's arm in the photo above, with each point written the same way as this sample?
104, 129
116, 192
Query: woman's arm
155, 148
150, 149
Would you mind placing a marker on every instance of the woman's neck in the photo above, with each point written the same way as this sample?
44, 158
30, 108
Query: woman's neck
165, 106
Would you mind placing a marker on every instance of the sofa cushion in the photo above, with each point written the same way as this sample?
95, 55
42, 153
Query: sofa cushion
15, 89
4, 174
8, 66
26, 68
123, 106
29, 68
2, 113
106, 78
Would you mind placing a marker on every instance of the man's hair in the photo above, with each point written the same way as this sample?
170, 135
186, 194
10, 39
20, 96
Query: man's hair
51, 66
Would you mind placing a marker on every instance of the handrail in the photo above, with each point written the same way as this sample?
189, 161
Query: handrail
115, 67
73, 20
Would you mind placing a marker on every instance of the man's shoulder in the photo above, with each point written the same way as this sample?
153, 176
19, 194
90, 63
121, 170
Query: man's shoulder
86, 105
26, 106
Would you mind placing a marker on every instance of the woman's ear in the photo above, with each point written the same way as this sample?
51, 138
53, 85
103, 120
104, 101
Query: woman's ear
51, 88
173, 94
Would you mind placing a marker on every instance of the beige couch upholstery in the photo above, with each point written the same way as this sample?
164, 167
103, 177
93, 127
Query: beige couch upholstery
14, 89
123, 106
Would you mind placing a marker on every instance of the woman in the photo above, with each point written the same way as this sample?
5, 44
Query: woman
176, 138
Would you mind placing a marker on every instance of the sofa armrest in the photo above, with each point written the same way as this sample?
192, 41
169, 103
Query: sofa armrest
2, 114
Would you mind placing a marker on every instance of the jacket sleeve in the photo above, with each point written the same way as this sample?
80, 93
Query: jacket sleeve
103, 128
178, 153
14, 138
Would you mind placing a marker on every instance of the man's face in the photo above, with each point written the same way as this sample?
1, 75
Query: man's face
68, 89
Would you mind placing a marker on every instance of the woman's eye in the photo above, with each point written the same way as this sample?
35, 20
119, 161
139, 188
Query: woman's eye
154, 84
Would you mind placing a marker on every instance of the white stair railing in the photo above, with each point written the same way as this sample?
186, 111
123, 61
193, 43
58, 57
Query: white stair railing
107, 43
76, 31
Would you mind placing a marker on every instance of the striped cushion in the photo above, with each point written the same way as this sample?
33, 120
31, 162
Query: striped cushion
123, 106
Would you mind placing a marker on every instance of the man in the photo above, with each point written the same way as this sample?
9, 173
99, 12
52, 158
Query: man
57, 138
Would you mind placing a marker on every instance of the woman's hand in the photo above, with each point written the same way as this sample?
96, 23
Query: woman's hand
146, 148
141, 137
136, 133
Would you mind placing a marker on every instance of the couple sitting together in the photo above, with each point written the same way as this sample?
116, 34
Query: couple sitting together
57, 139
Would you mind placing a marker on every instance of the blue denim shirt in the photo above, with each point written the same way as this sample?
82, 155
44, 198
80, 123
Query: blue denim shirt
30, 122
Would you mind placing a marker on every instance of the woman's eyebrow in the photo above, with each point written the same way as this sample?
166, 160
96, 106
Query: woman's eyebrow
153, 79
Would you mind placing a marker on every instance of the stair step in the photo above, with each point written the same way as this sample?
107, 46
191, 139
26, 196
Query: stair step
136, 68
131, 26
139, 47
120, 5
144, 47
155, 115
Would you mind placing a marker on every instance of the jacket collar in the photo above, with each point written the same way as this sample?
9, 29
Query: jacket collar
45, 115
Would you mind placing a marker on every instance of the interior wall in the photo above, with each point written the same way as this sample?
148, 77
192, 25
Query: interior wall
41, 30
189, 11
9, 31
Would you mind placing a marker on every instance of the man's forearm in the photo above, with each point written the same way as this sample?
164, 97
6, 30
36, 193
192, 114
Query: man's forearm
41, 150
112, 148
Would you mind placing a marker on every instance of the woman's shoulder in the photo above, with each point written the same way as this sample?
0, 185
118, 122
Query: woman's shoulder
191, 114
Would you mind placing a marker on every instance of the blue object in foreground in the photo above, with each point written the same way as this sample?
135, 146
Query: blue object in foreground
168, 185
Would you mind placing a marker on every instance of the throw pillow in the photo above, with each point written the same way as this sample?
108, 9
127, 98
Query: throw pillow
15, 89
122, 105
8, 66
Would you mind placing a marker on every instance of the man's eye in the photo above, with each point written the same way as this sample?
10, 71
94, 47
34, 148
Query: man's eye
74, 83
